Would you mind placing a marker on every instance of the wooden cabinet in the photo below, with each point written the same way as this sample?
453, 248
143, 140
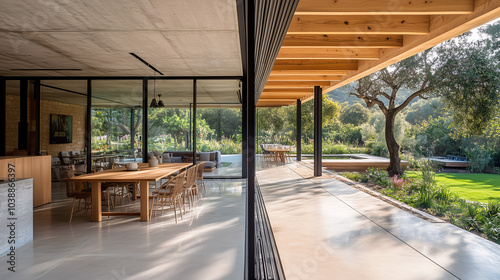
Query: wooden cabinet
36, 167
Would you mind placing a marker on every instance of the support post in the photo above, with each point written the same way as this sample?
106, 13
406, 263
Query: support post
22, 142
299, 130
318, 100
88, 126
244, 130
145, 120
194, 120
132, 131
3, 117
38, 97
251, 108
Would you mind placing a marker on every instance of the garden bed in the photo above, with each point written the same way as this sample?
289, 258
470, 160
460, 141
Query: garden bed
424, 194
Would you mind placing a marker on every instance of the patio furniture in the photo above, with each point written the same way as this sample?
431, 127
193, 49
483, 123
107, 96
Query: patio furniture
144, 175
169, 195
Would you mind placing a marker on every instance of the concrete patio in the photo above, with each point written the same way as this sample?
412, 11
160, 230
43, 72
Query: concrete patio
325, 229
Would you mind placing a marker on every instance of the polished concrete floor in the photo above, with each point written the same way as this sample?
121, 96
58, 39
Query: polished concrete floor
207, 244
325, 229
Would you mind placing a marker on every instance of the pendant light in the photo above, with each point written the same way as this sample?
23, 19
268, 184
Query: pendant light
160, 102
154, 104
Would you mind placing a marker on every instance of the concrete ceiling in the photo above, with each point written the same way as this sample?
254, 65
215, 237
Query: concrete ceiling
178, 37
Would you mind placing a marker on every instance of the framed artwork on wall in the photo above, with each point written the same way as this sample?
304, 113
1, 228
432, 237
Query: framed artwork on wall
61, 129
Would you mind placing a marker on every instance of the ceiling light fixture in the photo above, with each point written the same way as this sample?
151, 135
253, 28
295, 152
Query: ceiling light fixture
154, 104
160, 102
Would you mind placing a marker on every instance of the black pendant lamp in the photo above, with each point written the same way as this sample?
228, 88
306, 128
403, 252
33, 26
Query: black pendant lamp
154, 104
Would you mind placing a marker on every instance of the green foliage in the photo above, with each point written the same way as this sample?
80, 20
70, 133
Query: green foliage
427, 173
435, 136
354, 115
330, 113
378, 176
422, 109
224, 122
470, 83
355, 176
479, 158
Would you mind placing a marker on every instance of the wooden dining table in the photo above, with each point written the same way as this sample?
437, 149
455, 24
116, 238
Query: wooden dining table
144, 175
280, 153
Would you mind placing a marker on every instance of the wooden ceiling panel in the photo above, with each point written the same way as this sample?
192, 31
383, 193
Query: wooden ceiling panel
390, 24
342, 41
384, 7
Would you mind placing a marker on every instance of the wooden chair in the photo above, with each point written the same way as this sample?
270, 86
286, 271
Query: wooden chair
190, 187
78, 191
169, 195
199, 177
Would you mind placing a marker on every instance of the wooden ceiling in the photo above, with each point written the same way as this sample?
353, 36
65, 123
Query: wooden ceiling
331, 43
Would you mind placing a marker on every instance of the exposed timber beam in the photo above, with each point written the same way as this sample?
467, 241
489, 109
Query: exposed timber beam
329, 53
305, 78
391, 24
342, 41
315, 64
307, 72
296, 84
384, 7
265, 95
277, 100
288, 90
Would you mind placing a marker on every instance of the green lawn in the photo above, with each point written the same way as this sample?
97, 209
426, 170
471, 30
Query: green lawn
471, 186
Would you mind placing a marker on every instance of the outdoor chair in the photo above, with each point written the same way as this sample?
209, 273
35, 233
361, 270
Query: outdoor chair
169, 195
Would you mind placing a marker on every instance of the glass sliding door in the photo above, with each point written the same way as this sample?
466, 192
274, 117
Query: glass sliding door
219, 130
116, 122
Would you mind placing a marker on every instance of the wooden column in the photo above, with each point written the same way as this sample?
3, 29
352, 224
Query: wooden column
318, 130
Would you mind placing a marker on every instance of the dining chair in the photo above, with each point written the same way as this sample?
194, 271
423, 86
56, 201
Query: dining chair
190, 187
199, 177
78, 191
169, 195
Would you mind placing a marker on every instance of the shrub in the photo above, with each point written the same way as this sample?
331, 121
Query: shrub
479, 158
355, 176
377, 176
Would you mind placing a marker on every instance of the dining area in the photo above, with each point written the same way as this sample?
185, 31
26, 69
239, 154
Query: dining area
156, 188
277, 153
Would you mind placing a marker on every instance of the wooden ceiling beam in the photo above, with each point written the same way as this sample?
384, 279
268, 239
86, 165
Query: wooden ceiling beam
315, 64
296, 84
384, 7
391, 24
305, 91
278, 99
304, 78
342, 41
329, 53
307, 72
286, 95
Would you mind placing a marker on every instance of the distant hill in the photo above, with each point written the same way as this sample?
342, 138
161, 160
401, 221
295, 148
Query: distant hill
341, 95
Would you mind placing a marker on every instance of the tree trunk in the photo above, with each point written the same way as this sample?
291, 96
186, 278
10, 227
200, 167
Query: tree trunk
392, 146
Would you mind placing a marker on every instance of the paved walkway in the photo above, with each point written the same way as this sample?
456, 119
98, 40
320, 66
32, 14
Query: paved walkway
325, 229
